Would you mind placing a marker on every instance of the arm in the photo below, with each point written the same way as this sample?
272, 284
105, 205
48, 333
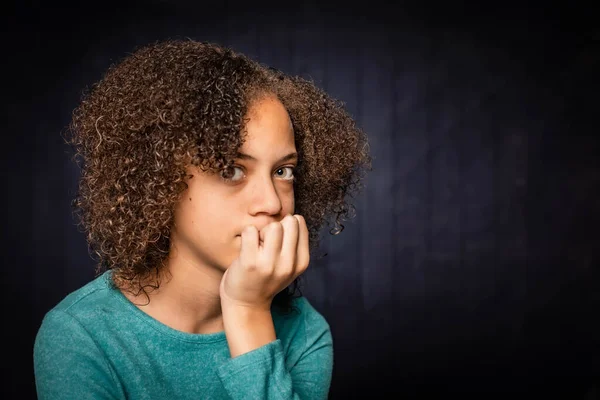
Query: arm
269, 261
247, 329
261, 372
67, 362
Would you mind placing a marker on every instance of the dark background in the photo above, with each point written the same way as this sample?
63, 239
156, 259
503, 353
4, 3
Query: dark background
471, 267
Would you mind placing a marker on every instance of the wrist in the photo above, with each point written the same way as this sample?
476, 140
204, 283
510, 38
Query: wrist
247, 328
228, 304
246, 317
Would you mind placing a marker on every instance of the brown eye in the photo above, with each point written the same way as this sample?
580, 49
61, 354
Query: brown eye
232, 174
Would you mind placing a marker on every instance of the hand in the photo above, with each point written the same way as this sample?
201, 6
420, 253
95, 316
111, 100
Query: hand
264, 269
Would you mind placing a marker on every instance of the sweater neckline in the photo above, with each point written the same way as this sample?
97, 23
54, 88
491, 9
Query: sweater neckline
156, 324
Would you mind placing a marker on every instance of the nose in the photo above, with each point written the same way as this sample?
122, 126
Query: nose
265, 199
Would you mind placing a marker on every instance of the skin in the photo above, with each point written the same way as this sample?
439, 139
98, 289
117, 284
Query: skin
236, 243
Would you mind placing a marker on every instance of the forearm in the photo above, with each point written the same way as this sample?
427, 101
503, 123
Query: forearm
297, 365
247, 329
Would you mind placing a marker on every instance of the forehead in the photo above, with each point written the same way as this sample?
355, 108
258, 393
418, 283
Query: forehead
269, 126
267, 108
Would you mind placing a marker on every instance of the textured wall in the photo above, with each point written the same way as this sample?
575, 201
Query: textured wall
472, 263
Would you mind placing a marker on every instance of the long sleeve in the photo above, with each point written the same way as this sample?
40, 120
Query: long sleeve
262, 373
68, 364
97, 345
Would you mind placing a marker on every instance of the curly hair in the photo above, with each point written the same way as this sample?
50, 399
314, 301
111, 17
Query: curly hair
177, 102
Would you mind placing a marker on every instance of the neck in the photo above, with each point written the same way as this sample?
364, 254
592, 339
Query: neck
187, 298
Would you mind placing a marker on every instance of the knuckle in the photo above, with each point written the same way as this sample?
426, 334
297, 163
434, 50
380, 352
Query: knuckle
270, 270
290, 218
288, 262
250, 266
266, 264
284, 273
276, 227
289, 222
304, 262
293, 220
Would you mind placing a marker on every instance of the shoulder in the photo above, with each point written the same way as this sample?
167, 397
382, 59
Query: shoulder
82, 306
303, 321
92, 295
67, 339
309, 313
302, 310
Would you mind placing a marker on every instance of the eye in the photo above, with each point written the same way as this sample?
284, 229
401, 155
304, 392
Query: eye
281, 173
232, 174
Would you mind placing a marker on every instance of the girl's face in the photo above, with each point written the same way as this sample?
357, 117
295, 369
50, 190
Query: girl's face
215, 208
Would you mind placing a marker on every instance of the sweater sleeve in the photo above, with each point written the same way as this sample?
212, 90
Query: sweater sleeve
68, 364
262, 373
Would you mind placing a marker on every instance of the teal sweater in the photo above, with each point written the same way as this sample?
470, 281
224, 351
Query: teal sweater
95, 344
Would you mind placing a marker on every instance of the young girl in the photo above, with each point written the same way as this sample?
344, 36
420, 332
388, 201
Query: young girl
205, 180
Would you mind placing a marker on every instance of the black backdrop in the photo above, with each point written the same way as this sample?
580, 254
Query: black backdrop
472, 264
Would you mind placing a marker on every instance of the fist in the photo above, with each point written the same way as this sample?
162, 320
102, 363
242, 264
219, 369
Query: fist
269, 261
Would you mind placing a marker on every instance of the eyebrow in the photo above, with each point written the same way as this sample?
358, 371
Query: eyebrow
291, 156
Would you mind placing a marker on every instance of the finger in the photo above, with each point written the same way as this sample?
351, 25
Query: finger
272, 236
249, 247
287, 261
303, 250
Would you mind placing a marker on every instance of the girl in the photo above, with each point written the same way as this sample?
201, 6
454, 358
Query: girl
205, 180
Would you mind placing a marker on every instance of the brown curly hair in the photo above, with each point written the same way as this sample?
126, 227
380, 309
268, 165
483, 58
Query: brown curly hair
178, 102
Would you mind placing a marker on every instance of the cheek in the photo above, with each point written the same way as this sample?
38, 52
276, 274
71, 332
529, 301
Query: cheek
288, 202
186, 218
